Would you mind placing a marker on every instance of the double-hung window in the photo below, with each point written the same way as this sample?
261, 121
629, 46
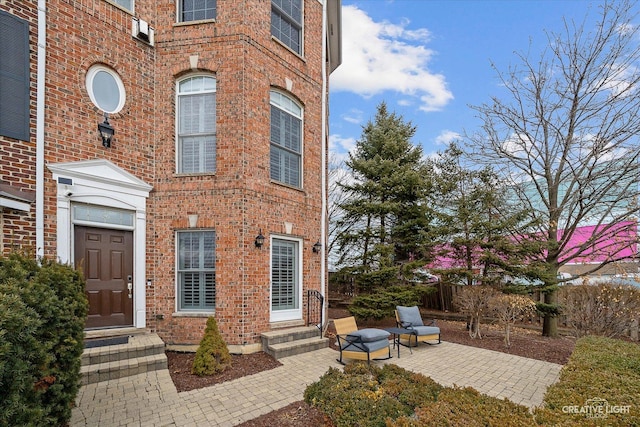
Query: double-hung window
286, 23
196, 271
196, 10
286, 140
197, 125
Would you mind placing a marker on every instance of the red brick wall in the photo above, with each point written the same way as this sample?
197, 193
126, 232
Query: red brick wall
18, 158
238, 200
82, 33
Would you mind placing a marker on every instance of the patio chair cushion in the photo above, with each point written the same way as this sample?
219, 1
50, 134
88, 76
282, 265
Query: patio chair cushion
364, 347
426, 330
409, 316
367, 335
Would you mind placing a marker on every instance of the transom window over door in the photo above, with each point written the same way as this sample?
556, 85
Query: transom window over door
196, 271
197, 125
286, 140
286, 23
284, 275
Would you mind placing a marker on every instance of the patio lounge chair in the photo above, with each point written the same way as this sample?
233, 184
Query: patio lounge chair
364, 344
410, 318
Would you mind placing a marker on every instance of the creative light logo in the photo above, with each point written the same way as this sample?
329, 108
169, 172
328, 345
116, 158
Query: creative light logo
596, 408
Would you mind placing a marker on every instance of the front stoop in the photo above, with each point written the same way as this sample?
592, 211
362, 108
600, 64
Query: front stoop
143, 353
288, 342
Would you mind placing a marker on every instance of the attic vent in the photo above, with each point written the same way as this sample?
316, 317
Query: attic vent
141, 30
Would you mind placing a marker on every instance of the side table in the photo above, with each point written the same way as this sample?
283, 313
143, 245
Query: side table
397, 332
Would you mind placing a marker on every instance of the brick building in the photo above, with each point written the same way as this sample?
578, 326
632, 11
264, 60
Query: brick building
209, 198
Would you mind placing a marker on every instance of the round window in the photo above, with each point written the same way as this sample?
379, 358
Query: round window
105, 89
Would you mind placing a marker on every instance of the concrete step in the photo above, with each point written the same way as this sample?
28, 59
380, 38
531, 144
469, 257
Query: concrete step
290, 334
141, 353
298, 346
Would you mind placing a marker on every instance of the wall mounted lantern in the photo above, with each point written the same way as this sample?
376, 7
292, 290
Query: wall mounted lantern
106, 131
316, 248
259, 239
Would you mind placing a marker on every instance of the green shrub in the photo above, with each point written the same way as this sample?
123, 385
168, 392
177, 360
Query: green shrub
382, 303
467, 407
20, 356
43, 309
599, 369
366, 395
212, 355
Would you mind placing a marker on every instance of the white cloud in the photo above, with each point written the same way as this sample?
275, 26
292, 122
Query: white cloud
382, 56
354, 116
339, 147
447, 136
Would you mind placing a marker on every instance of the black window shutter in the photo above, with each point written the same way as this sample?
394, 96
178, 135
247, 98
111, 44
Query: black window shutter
14, 77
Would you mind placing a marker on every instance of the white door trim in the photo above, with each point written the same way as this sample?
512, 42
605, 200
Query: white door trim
296, 313
101, 183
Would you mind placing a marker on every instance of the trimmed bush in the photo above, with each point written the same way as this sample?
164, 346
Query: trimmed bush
601, 371
467, 407
20, 355
43, 309
212, 355
381, 304
366, 395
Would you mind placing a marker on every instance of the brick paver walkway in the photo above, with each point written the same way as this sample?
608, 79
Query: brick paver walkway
151, 399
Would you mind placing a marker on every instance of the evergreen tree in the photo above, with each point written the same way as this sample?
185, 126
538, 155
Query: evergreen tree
474, 222
384, 217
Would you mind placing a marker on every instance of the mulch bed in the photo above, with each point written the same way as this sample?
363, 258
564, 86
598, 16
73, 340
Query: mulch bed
241, 365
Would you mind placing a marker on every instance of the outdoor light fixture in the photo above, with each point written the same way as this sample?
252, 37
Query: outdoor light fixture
259, 239
316, 248
106, 131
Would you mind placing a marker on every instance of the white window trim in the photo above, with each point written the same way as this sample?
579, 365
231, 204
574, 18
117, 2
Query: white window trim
91, 73
301, 117
177, 122
286, 315
197, 21
178, 312
302, 28
116, 3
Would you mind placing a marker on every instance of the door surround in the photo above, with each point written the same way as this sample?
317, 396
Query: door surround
101, 183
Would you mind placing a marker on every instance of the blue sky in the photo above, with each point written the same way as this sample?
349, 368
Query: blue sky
429, 59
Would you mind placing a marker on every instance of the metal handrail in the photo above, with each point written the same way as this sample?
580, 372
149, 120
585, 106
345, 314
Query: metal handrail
315, 305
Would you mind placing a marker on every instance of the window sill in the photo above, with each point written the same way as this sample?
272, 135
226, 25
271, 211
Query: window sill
197, 174
282, 184
193, 313
277, 40
122, 8
187, 23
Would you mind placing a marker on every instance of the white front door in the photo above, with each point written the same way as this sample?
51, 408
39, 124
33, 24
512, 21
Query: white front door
286, 279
